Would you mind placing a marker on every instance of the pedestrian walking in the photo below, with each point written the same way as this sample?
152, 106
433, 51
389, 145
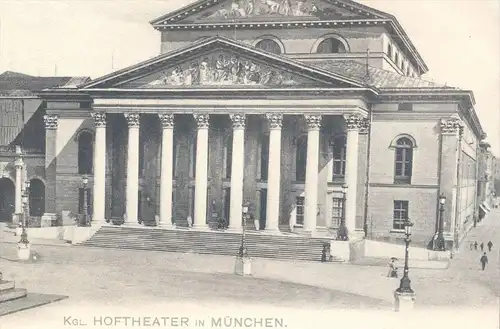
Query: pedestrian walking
490, 245
393, 270
475, 245
482, 246
484, 261
471, 246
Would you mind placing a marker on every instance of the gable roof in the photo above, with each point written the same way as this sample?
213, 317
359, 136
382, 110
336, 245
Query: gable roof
377, 78
218, 42
17, 84
370, 15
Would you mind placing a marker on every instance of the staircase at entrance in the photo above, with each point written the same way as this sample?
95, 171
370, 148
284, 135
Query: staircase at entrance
289, 247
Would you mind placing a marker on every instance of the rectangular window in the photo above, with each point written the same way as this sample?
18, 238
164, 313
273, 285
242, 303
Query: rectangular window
400, 214
299, 206
405, 107
337, 212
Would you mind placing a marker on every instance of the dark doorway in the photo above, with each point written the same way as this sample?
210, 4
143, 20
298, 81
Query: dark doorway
263, 209
7, 199
37, 198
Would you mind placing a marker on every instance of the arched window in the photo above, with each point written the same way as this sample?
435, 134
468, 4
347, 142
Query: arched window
269, 45
36, 197
339, 156
403, 161
331, 46
301, 159
85, 152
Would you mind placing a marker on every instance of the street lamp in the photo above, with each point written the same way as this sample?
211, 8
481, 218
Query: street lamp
85, 181
243, 250
342, 233
25, 201
440, 244
404, 285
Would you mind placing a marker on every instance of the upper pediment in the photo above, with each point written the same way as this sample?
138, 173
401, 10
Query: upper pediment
219, 63
207, 11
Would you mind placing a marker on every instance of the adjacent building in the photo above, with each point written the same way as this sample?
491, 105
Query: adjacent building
291, 107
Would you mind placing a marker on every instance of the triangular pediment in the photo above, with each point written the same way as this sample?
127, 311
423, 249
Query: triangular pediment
207, 11
220, 63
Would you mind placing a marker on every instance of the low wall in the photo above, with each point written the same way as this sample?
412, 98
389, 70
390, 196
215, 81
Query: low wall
376, 249
48, 233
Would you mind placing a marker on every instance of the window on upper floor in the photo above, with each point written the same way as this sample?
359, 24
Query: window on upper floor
403, 163
400, 214
339, 156
396, 58
389, 50
85, 152
269, 45
331, 46
405, 107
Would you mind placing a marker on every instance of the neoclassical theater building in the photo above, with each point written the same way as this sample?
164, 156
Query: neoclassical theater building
284, 105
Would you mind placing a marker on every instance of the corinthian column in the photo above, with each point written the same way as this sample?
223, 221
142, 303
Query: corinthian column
275, 121
353, 124
237, 167
51, 123
133, 122
19, 164
167, 145
99, 192
311, 188
201, 179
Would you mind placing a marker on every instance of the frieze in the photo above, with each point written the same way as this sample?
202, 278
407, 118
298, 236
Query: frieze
275, 120
451, 125
133, 120
99, 119
51, 121
355, 122
221, 69
247, 9
202, 120
238, 120
313, 121
166, 120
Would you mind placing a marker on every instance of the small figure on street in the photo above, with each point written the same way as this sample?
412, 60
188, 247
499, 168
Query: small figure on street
471, 246
323, 253
475, 245
393, 270
490, 245
482, 246
484, 260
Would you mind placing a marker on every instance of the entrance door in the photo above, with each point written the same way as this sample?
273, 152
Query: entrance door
7, 199
263, 208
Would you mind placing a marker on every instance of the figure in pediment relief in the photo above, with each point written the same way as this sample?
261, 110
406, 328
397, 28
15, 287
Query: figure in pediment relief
273, 7
221, 70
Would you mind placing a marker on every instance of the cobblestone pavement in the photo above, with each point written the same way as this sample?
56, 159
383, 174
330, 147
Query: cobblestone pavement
119, 277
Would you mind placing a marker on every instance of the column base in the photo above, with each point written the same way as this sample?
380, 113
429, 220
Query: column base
167, 226
404, 301
200, 227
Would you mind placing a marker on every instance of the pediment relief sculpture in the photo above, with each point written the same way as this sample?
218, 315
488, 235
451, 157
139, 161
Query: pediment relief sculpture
220, 69
276, 8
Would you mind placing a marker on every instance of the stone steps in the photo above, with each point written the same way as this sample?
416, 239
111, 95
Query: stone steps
9, 292
207, 242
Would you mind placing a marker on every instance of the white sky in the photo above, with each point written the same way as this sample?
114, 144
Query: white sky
458, 39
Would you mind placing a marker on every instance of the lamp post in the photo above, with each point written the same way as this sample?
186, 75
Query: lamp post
440, 243
342, 233
23, 246
243, 250
85, 181
404, 285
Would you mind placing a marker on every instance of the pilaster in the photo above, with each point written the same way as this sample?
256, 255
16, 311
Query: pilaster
51, 124
99, 192
237, 171
275, 123
312, 163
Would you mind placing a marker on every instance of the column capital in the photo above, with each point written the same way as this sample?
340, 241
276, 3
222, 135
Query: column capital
202, 120
355, 122
238, 120
275, 120
451, 125
51, 121
133, 120
167, 120
313, 121
19, 163
99, 118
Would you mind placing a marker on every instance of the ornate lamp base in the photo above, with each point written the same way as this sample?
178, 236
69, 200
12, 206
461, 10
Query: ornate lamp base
243, 266
23, 251
404, 301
